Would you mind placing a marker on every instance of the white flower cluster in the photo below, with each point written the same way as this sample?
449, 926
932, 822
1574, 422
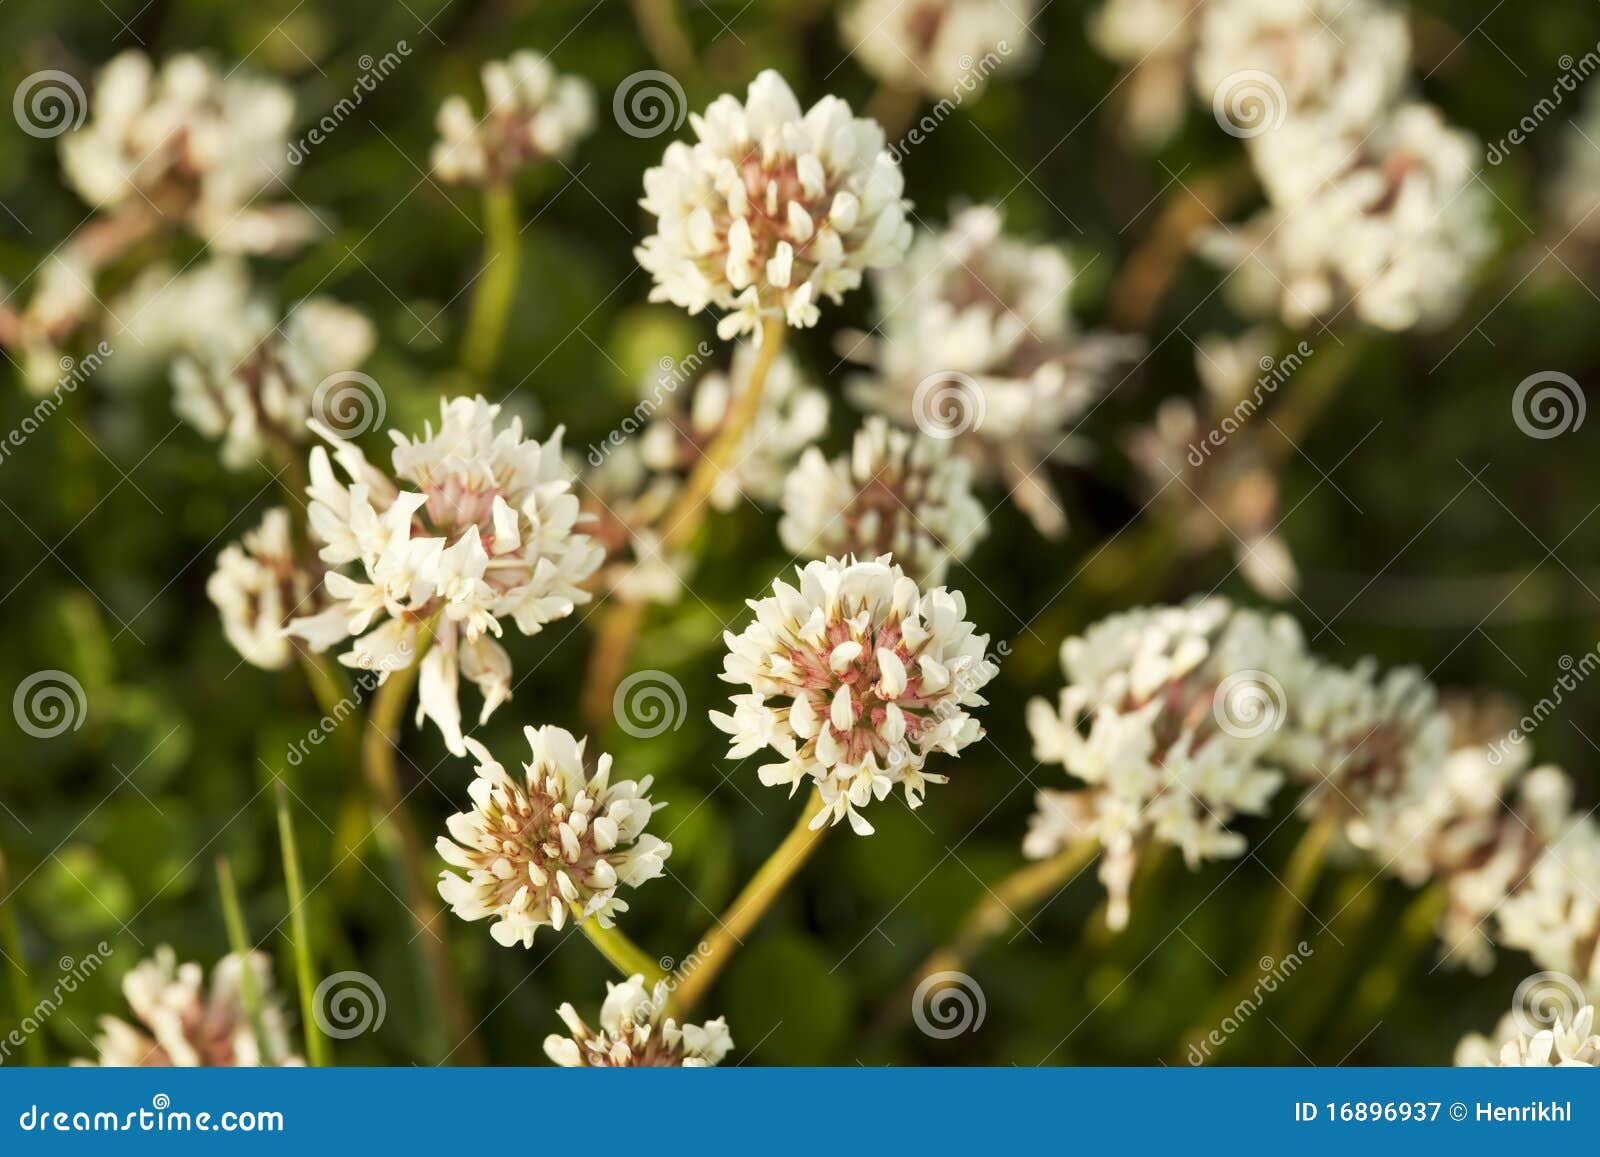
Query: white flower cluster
482, 528
532, 114
188, 143
896, 493
254, 382
936, 47
1170, 716
549, 844
978, 346
1155, 39
856, 678
181, 1024
257, 587
772, 209
1570, 1041
169, 312
1554, 914
635, 1031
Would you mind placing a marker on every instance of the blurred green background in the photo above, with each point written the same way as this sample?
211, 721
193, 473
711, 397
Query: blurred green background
1446, 538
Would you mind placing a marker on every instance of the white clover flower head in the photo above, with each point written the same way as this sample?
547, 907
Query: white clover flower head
1571, 1041
478, 525
257, 586
1554, 914
180, 1023
895, 493
168, 312
944, 48
1169, 717
1155, 39
189, 143
856, 678
635, 1031
978, 346
254, 384
533, 114
793, 414
772, 210
551, 844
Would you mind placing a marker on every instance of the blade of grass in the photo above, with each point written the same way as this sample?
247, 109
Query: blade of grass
239, 945
294, 881
17, 969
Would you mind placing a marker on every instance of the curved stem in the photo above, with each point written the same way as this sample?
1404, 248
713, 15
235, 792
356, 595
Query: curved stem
663, 34
721, 942
1277, 930
379, 743
619, 628
497, 282
626, 956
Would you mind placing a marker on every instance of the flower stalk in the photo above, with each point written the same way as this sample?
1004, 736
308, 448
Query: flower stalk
299, 925
497, 282
626, 956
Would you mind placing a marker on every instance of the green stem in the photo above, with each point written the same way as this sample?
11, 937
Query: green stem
239, 944
626, 956
497, 283
21, 983
729, 935
1381, 985
294, 882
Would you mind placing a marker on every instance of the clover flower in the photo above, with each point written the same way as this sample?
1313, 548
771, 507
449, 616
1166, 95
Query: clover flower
944, 48
1170, 718
63, 299
549, 844
480, 528
793, 414
635, 1031
896, 493
255, 383
867, 677
1554, 914
771, 209
623, 500
1569, 1040
181, 1023
1155, 40
257, 586
187, 143
533, 114
978, 346
169, 312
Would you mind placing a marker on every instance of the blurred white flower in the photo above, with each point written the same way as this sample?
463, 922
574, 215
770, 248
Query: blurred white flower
635, 1030
623, 499
189, 145
533, 114
977, 344
869, 677
63, 299
254, 383
793, 414
1169, 717
1554, 915
1571, 1041
944, 48
182, 1024
549, 844
257, 587
771, 209
1577, 187
1155, 39
486, 530
895, 493
167, 311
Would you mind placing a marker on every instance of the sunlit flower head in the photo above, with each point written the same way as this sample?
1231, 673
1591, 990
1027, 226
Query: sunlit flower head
257, 587
477, 525
896, 493
533, 114
189, 143
1169, 718
1536, 1038
856, 677
944, 48
772, 209
182, 1023
549, 844
635, 1031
